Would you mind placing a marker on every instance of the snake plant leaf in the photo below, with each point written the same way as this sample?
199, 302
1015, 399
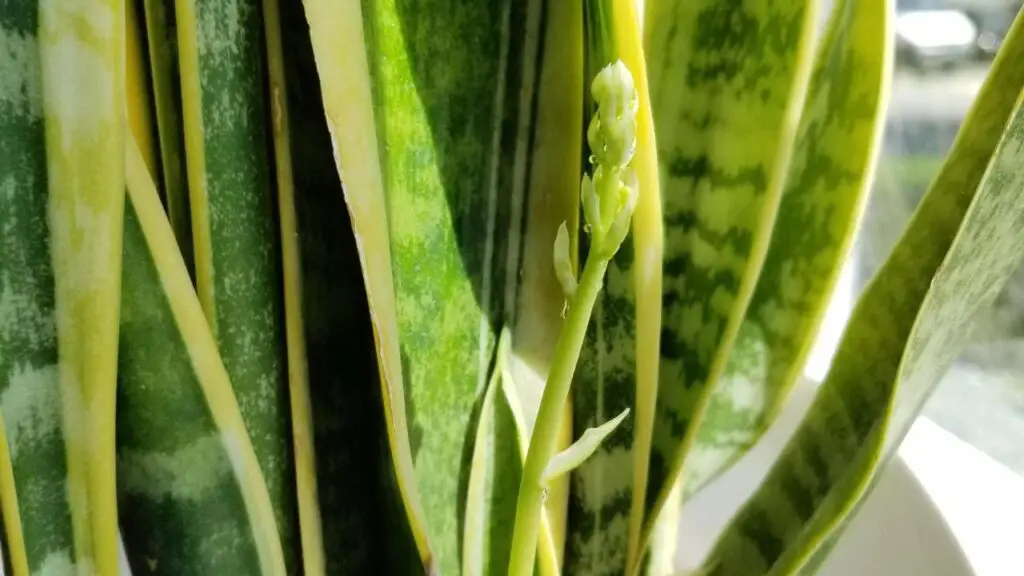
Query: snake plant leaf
237, 247
138, 99
343, 64
578, 452
619, 361
364, 527
481, 552
191, 489
550, 552
553, 200
433, 117
34, 472
962, 244
494, 479
165, 87
310, 524
535, 305
728, 79
824, 196
15, 557
81, 47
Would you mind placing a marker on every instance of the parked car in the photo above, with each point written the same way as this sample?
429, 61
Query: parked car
934, 34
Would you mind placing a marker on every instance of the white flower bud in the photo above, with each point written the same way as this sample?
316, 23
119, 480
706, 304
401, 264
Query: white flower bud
612, 132
610, 197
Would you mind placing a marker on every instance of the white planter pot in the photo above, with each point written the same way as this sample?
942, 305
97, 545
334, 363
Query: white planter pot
898, 531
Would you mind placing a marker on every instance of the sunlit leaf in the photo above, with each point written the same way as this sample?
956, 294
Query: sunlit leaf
433, 117
961, 246
728, 79
825, 193
618, 364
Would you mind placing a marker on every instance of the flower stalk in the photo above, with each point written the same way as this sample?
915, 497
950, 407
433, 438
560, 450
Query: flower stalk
609, 197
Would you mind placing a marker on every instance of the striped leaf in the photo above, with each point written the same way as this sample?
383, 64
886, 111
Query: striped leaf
165, 87
822, 201
310, 525
494, 475
191, 491
727, 84
553, 198
15, 557
138, 99
618, 365
499, 449
533, 305
432, 109
33, 462
364, 526
962, 244
81, 46
238, 268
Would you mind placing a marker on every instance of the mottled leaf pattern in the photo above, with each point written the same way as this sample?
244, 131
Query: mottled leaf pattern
449, 181
191, 491
338, 38
237, 248
727, 84
81, 47
35, 509
962, 244
824, 196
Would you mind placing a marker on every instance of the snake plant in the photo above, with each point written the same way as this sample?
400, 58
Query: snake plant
476, 287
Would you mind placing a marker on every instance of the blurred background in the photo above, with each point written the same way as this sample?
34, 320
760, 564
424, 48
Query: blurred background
944, 49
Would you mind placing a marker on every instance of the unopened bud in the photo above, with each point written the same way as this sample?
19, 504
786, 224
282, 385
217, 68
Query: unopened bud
563, 262
619, 228
612, 132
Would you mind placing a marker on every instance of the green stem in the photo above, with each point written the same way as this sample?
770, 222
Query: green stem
545, 432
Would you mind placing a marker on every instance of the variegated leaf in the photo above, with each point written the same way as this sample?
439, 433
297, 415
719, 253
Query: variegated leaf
81, 46
364, 525
33, 455
962, 244
432, 112
826, 188
237, 245
728, 79
191, 492
618, 364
